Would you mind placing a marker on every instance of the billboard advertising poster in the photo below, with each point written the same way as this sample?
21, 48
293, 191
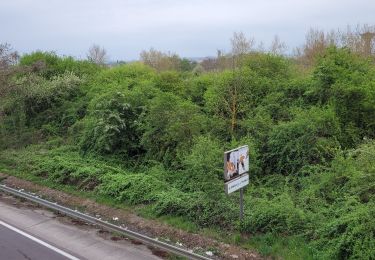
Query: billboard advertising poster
236, 162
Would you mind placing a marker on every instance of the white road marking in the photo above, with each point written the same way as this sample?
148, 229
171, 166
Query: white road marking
69, 256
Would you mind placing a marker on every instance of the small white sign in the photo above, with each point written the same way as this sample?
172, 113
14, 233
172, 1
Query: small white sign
237, 183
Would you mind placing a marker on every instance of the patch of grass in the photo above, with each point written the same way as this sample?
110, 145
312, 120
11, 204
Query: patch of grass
13, 163
174, 221
272, 245
179, 222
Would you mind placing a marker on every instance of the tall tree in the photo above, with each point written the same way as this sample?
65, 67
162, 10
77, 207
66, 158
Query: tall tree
240, 46
230, 98
360, 39
277, 46
97, 55
159, 60
317, 41
8, 58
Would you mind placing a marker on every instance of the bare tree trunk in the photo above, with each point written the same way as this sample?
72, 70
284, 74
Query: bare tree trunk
234, 110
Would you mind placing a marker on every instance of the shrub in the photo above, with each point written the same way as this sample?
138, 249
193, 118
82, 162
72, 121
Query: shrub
124, 75
203, 164
133, 188
44, 107
341, 199
269, 65
350, 234
308, 139
113, 127
345, 80
49, 64
170, 125
195, 87
278, 214
197, 207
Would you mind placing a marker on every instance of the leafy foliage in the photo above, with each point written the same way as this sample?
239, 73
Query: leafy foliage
308, 139
49, 64
156, 136
113, 128
170, 125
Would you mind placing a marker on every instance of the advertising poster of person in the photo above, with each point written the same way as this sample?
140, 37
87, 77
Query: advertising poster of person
236, 162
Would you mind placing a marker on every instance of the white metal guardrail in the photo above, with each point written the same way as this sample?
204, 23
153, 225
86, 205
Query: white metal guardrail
106, 225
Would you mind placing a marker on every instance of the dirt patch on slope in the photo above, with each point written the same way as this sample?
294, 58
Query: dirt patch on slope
129, 220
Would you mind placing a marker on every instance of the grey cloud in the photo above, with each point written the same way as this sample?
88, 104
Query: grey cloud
190, 27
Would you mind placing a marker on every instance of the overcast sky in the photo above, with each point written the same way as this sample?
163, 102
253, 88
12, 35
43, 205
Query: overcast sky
190, 28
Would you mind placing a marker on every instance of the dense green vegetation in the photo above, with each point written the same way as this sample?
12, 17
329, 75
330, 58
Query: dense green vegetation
145, 137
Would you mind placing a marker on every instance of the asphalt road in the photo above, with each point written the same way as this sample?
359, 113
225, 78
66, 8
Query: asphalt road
16, 246
31, 233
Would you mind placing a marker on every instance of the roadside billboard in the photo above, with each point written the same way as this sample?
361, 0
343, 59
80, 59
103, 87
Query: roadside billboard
236, 162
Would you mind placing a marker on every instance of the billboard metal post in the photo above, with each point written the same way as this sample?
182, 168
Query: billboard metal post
241, 204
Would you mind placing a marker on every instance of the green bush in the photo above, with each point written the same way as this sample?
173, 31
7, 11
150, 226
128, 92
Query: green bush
70, 169
341, 200
195, 87
171, 202
169, 126
204, 166
169, 81
278, 215
45, 96
269, 65
350, 233
133, 188
346, 80
38, 108
113, 127
198, 207
122, 77
49, 64
310, 138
